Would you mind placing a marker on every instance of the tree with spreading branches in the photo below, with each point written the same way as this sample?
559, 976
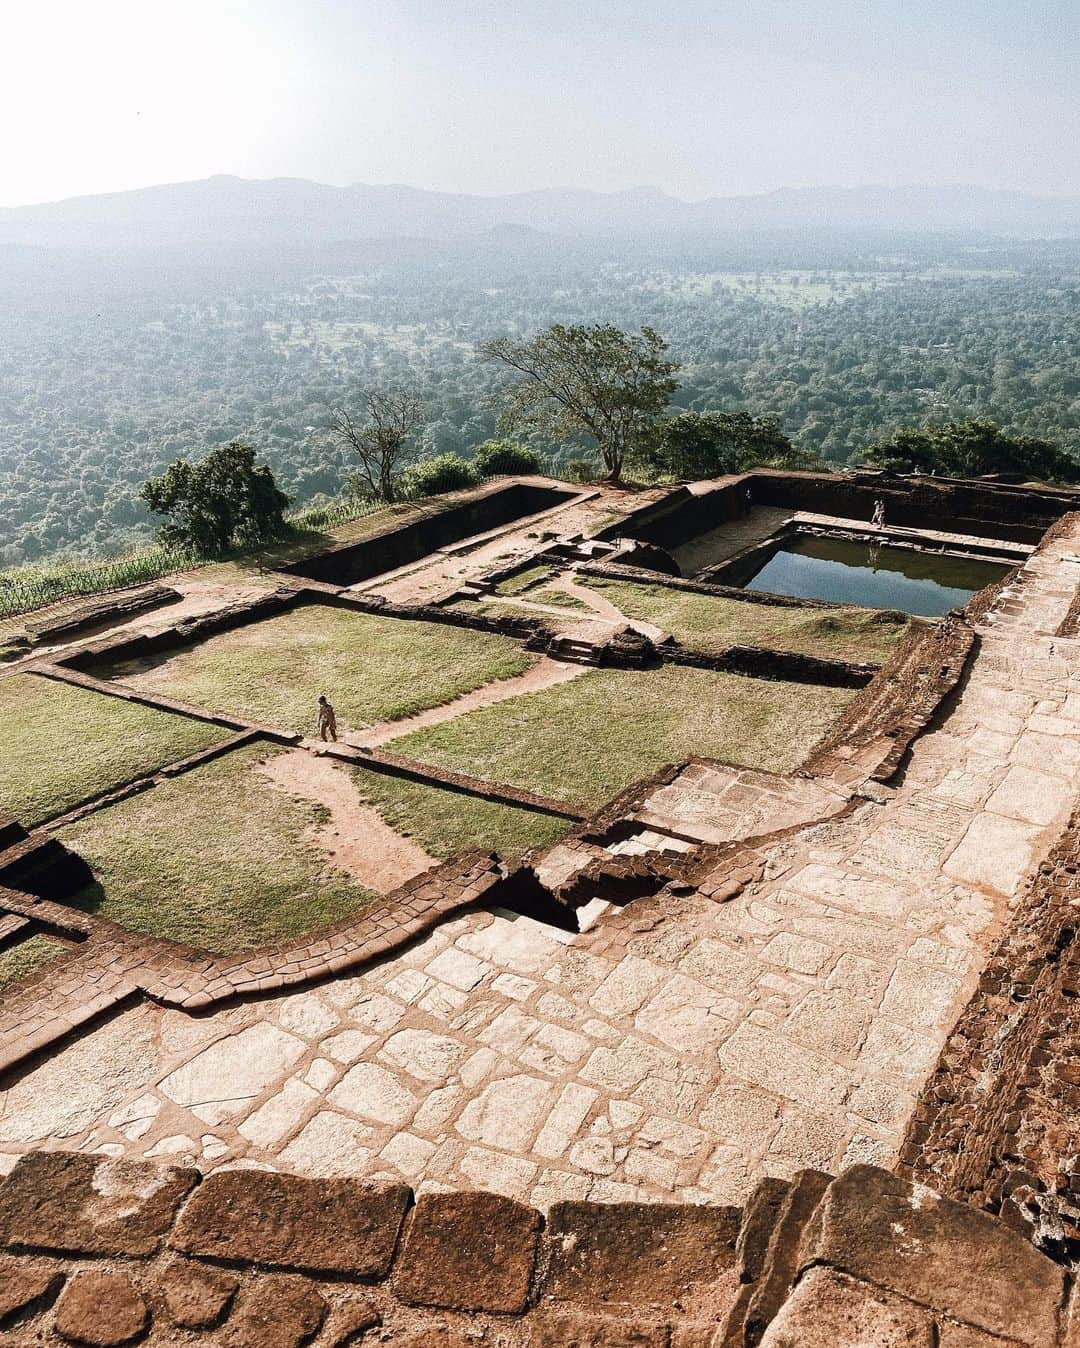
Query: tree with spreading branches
380, 436
596, 381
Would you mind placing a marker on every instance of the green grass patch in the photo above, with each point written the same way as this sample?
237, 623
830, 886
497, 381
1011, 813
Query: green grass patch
582, 741
371, 668
216, 858
445, 823
559, 599
19, 961
707, 622
61, 744
532, 575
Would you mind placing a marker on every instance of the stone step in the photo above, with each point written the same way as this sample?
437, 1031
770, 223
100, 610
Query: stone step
779, 1266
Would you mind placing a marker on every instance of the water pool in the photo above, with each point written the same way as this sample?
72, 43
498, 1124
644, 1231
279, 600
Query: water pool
852, 571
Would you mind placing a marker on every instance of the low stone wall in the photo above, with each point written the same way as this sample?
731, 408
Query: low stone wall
458, 518
127, 604
107, 1253
875, 732
998, 1122
639, 575
763, 662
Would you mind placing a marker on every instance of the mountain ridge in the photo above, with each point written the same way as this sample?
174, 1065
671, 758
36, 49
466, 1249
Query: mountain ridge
226, 208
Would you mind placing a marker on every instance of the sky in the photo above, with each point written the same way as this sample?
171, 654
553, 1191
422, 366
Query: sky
698, 97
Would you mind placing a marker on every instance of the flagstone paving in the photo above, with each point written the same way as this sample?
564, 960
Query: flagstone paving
677, 1050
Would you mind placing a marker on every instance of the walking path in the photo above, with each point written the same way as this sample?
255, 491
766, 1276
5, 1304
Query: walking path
681, 1047
545, 673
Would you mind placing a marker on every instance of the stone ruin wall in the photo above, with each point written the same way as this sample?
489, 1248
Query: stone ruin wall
106, 1253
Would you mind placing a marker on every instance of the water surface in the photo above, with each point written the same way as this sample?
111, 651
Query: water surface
848, 571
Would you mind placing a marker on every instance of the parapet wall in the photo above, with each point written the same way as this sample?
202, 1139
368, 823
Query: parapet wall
107, 1253
982, 509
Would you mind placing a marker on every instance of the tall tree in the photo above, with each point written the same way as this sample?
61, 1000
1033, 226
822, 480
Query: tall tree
596, 381
380, 436
218, 503
707, 444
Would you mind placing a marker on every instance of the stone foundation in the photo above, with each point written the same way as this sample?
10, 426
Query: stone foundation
108, 1253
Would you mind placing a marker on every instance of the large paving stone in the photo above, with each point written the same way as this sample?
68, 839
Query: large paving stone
637, 1254
234, 1070
85, 1205
101, 1309
342, 1225
468, 1252
995, 852
827, 1310
937, 1252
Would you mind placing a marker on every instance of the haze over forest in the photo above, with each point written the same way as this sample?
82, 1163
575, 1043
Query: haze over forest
137, 327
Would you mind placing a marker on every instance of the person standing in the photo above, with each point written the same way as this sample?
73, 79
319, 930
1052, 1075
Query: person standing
327, 720
879, 514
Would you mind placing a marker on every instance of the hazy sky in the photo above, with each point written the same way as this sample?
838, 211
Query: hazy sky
700, 97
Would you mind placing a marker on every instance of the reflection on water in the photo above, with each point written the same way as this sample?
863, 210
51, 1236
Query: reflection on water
873, 575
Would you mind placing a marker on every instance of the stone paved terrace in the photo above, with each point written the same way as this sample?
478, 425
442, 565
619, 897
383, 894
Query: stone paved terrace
679, 1049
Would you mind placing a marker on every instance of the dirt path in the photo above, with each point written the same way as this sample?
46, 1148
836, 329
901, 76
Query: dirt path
601, 605
356, 839
544, 674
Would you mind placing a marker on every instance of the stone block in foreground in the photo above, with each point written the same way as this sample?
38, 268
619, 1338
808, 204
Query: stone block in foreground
468, 1252
78, 1204
637, 1254
937, 1252
283, 1221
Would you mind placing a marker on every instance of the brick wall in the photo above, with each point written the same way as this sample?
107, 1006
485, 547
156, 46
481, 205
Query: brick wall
107, 1253
998, 1122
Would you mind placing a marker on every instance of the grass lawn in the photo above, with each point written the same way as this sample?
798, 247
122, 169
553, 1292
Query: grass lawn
706, 622
60, 744
583, 741
216, 858
20, 961
445, 823
532, 575
371, 668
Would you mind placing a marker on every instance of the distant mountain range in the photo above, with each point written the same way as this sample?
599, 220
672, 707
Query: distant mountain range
232, 211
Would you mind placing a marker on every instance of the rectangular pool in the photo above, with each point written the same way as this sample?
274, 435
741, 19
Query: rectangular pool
873, 575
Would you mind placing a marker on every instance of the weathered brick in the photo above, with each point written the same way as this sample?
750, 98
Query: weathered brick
196, 1297
278, 1311
939, 1253
548, 1330
759, 1219
283, 1221
85, 1205
637, 1254
469, 1252
101, 1309
24, 1282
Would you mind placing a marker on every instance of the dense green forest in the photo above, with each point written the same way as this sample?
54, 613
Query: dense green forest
112, 367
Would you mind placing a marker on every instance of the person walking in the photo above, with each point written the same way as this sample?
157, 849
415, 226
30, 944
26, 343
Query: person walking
327, 720
879, 514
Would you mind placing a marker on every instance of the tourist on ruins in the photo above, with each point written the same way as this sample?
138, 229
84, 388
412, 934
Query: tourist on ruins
327, 720
879, 514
